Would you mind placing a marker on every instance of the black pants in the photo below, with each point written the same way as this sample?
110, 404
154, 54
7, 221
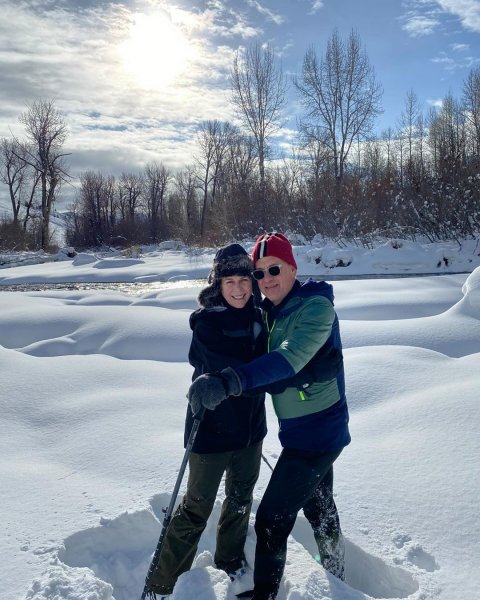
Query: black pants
300, 480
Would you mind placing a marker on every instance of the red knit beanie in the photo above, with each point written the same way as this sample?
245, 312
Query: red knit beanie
273, 244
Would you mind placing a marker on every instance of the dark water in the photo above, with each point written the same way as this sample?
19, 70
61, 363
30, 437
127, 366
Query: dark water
123, 287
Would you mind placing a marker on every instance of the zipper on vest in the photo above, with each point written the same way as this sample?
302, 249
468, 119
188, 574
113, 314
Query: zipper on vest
270, 330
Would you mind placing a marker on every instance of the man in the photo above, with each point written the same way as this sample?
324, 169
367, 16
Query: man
304, 346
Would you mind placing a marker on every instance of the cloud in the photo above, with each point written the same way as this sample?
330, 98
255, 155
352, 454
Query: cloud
445, 60
460, 47
223, 21
438, 103
424, 16
452, 63
73, 55
417, 25
427, 17
271, 16
468, 11
316, 6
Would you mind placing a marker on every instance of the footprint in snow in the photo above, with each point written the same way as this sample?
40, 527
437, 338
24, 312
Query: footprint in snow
423, 560
364, 572
110, 562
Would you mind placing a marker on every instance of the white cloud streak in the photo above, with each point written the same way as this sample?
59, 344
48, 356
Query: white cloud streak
275, 18
417, 25
460, 47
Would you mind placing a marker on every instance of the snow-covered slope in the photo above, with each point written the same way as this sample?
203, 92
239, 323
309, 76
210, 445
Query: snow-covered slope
93, 401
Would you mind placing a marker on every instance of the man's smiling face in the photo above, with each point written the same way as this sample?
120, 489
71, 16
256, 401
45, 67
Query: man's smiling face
275, 287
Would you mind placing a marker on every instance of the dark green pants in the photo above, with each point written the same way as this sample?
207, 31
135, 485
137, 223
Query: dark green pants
241, 468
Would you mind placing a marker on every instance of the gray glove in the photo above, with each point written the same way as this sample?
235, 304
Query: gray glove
211, 389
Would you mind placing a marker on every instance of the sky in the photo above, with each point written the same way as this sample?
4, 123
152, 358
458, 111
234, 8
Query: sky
134, 79
93, 402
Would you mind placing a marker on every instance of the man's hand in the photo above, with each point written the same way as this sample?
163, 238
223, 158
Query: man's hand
211, 389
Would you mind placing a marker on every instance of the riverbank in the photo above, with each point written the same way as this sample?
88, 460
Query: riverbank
170, 262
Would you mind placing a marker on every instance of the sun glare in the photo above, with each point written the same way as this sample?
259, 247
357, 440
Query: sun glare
156, 51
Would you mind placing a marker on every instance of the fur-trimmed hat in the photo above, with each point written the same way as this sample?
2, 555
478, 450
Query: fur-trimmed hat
230, 260
274, 244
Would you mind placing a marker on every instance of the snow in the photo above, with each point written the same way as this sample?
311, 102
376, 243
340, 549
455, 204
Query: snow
170, 261
93, 400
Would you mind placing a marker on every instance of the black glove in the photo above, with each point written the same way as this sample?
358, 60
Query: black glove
211, 389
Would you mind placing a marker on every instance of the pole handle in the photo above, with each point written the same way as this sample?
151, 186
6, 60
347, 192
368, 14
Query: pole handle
198, 416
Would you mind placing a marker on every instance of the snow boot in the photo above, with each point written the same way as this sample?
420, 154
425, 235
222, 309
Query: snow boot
242, 579
261, 592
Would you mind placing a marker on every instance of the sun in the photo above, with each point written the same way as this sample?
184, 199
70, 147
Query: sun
156, 51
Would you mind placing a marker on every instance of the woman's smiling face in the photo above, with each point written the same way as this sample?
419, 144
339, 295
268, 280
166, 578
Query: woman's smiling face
236, 290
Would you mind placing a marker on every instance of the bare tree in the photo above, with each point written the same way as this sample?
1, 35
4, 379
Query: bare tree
374, 160
471, 99
447, 139
239, 185
242, 160
184, 202
13, 173
411, 133
95, 209
408, 124
258, 94
130, 189
340, 94
213, 139
388, 149
156, 181
46, 134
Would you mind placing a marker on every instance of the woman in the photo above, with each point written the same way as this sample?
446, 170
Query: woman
227, 332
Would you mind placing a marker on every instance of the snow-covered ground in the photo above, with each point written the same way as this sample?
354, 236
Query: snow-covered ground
171, 260
92, 405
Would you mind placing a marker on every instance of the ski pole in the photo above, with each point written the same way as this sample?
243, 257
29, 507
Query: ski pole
153, 565
266, 461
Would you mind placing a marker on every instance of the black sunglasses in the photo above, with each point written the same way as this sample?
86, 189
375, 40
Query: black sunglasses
273, 270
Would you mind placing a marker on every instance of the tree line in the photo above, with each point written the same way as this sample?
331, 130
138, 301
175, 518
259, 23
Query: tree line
419, 179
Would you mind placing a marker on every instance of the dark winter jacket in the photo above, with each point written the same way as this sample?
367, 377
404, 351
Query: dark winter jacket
304, 344
224, 336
